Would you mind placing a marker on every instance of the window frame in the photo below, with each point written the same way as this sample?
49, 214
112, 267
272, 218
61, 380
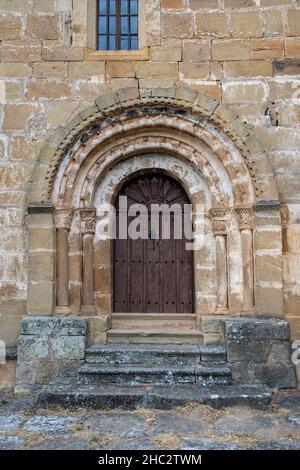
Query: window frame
118, 26
89, 23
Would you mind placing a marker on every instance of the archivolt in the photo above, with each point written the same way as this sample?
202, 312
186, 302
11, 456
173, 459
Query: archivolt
184, 122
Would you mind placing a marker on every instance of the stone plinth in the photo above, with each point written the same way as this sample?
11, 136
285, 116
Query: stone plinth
49, 347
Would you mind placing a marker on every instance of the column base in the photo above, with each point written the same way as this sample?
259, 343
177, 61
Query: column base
65, 311
248, 311
221, 311
88, 310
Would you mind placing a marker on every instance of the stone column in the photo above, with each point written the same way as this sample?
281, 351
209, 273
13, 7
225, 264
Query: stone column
245, 219
88, 226
219, 221
62, 220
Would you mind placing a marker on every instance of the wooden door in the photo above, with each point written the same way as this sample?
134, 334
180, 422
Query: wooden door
153, 275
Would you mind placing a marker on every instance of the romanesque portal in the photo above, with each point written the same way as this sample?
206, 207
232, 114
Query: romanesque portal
193, 148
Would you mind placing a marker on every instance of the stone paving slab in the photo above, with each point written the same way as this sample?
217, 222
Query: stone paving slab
23, 425
248, 425
131, 444
117, 424
175, 422
51, 424
208, 444
64, 444
8, 423
11, 442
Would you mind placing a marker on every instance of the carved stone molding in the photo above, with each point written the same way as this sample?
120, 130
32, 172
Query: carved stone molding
245, 217
42, 208
88, 220
268, 207
63, 218
219, 221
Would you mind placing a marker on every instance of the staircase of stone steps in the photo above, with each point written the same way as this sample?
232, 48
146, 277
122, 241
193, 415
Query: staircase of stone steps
154, 336
155, 365
154, 375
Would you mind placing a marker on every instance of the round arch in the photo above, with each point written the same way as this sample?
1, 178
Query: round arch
201, 142
210, 120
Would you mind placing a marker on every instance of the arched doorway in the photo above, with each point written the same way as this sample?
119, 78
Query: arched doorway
154, 273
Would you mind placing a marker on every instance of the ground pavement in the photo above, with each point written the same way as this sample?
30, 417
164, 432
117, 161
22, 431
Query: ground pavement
193, 427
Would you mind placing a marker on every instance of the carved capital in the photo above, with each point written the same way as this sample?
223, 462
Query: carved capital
245, 217
88, 221
219, 221
63, 218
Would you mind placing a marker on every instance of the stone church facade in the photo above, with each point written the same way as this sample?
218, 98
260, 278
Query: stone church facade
209, 101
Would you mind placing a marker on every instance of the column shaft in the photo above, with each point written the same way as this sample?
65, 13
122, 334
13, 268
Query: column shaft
247, 253
88, 222
222, 278
62, 268
63, 219
245, 219
219, 220
88, 270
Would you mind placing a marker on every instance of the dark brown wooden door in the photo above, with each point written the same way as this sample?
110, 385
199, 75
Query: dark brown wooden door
153, 275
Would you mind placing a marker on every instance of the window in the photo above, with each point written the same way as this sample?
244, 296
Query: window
117, 25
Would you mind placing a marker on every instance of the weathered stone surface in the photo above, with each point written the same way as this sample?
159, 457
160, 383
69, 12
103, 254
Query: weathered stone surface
68, 348
47, 89
234, 425
257, 328
11, 442
177, 25
63, 444
244, 350
10, 27
42, 326
43, 27
208, 444
212, 24
168, 422
16, 116
288, 400
293, 419
247, 24
283, 444
276, 376
51, 424
8, 423
118, 423
131, 444
160, 397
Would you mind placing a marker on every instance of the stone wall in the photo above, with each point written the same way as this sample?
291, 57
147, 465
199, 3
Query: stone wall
244, 53
258, 349
49, 348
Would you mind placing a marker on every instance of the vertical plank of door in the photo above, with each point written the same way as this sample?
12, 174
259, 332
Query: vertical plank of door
169, 267
136, 275
153, 281
120, 273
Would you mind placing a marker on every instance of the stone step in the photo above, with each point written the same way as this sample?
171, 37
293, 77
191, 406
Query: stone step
154, 320
154, 375
152, 354
155, 336
158, 397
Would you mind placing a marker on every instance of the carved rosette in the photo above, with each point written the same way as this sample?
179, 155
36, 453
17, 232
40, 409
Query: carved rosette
88, 221
219, 221
245, 217
63, 218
